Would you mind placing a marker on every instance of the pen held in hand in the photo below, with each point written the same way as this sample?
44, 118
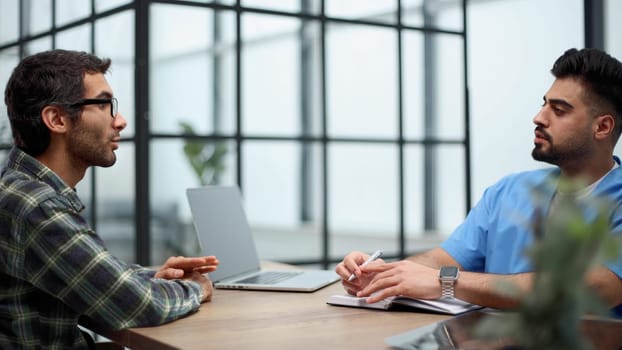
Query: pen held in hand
377, 254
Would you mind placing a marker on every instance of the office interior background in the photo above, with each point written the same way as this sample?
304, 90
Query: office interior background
347, 124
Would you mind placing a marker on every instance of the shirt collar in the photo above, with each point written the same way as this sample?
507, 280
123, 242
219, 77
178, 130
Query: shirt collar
22, 162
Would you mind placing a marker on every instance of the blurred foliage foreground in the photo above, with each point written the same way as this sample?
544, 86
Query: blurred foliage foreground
570, 239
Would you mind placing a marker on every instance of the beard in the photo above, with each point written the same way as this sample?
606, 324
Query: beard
572, 149
86, 147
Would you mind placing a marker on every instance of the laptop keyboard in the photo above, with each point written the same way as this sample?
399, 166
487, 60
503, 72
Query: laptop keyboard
269, 277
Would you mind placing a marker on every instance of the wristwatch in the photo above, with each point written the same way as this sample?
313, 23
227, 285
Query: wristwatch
448, 275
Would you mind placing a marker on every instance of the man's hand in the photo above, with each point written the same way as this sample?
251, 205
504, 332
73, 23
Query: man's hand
402, 278
191, 269
204, 282
351, 265
177, 267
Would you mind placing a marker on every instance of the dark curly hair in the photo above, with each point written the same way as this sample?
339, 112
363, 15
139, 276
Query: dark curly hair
47, 78
601, 76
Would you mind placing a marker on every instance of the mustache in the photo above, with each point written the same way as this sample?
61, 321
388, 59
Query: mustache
543, 134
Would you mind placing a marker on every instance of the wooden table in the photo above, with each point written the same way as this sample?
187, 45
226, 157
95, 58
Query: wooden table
275, 320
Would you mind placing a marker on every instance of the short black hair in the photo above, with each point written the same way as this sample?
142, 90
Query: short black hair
601, 76
47, 78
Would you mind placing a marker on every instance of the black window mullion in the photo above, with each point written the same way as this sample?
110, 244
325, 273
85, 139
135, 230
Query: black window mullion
325, 260
238, 88
142, 133
400, 137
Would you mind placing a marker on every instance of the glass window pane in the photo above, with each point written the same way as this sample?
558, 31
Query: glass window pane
171, 174
279, 5
77, 38
6, 138
192, 70
3, 155
361, 81
271, 74
271, 175
449, 192
441, 14
412, 12
224, 2
448, 15
71, 10
445, 76
114, 39
8, 60
284, 220
414, 201
449, 90
369, 10
613, 44
413, 84
613, 26
9, 24
506, 87
115, 204
363, 198
448, 187
39, 16
451, 187
104, 5
34, 46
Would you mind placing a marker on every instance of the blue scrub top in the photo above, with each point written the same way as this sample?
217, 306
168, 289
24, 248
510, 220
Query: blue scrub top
494, 236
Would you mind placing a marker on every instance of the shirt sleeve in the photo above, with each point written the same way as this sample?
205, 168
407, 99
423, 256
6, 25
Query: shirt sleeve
615, 265
467, 243
67, 260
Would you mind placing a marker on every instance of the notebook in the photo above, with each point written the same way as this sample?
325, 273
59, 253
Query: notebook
450, 306
223, 230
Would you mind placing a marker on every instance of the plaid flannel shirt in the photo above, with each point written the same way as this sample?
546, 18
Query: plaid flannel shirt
55, 269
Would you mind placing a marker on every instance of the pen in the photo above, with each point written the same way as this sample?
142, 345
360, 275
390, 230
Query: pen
377, 254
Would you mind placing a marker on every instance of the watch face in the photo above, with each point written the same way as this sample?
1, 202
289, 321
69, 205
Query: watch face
448, 272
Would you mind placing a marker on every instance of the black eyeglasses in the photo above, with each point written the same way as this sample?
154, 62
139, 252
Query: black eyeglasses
114, 106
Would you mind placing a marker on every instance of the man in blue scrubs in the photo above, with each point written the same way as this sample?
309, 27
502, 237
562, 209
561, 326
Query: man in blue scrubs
576, 130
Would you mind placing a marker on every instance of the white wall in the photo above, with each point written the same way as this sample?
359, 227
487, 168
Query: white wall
512, 47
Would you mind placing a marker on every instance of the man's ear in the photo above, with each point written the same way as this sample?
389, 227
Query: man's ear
604, 126
55, 119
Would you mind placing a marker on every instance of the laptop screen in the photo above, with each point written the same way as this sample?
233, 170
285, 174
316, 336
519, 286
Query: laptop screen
223, 230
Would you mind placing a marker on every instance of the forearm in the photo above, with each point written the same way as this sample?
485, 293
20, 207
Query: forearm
606, 284
132, 298
94, 283
434, 258
491, 290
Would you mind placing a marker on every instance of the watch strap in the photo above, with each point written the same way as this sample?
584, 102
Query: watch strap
447, 288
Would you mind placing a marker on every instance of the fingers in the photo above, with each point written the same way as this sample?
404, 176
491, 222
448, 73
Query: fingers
190, 263
388, 280
206, 269
402, 278
169, 273
380, 288
378, 266
180, 266
382, 294
350, 265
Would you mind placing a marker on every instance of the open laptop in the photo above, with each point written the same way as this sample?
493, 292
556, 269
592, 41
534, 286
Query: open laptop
223, 231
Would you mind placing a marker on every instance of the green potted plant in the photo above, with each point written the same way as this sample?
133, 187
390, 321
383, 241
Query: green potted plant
569, 240
207, 162
205, 158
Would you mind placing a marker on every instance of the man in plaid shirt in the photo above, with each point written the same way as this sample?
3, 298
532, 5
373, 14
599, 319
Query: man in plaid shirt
53, 267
